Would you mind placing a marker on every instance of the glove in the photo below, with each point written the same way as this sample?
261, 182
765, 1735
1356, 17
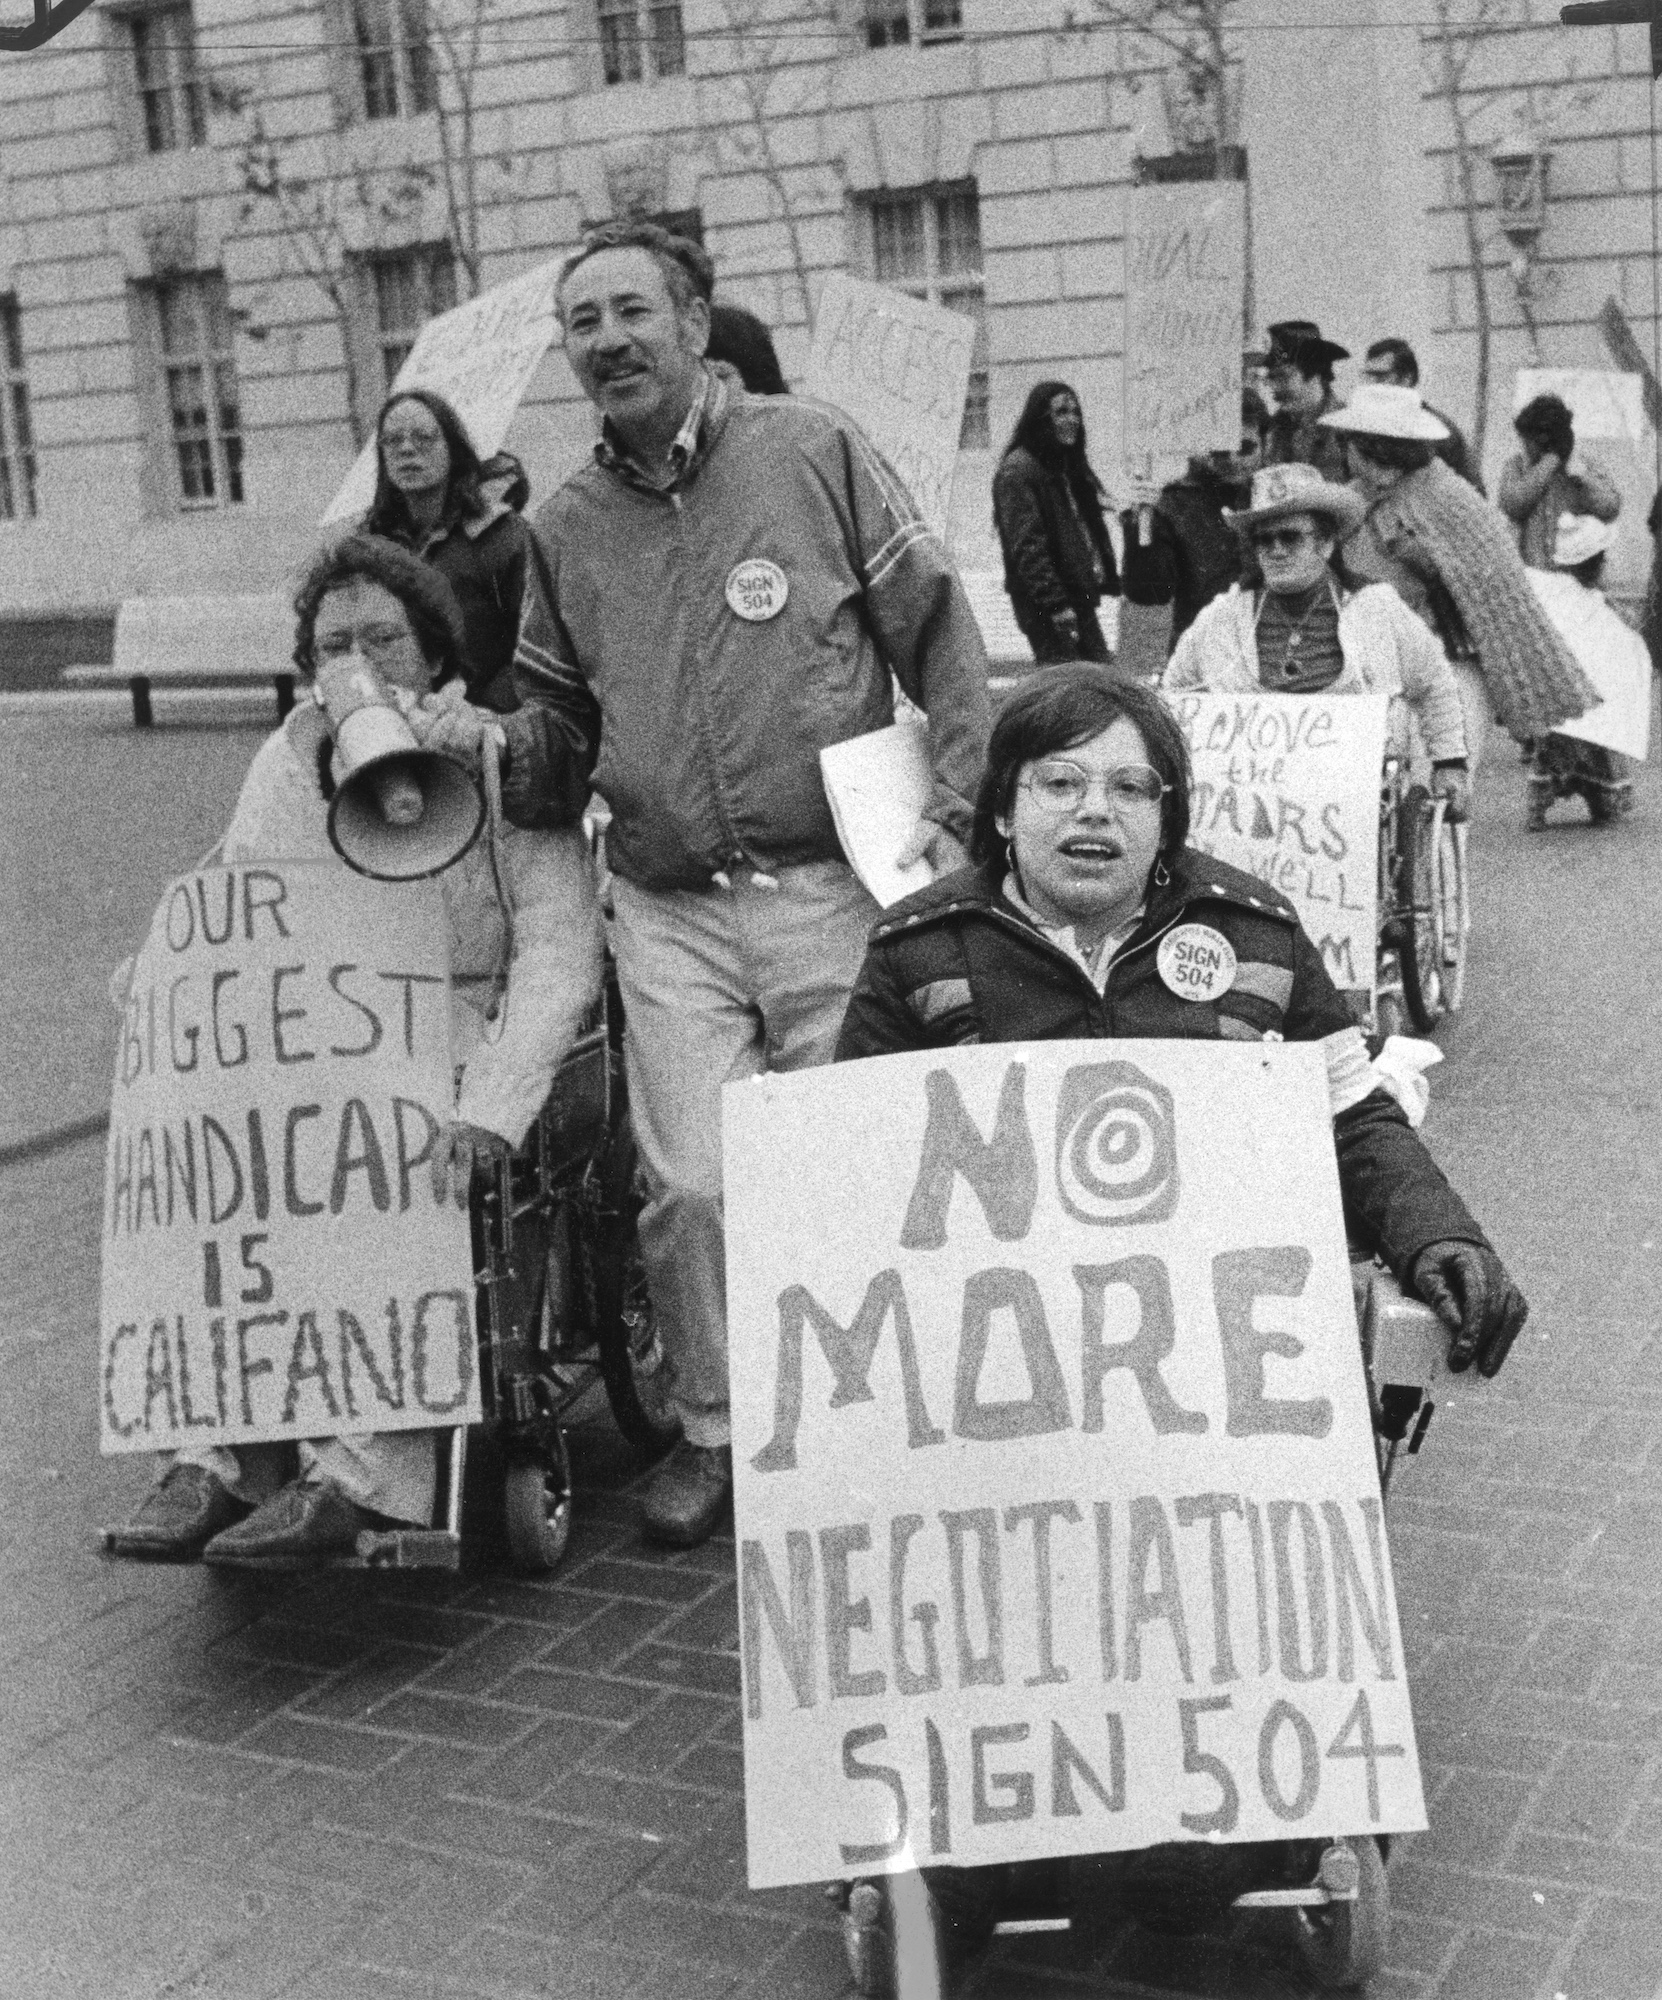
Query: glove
1452, 783
1467, 1287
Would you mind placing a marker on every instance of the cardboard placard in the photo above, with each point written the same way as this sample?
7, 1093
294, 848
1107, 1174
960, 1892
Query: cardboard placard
900, 367
480, 356
1185, 304
1287, 787
1612, 656
275, 1264
1604, 402
1059, 1524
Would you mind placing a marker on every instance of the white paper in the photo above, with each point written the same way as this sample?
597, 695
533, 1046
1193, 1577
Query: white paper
1612, 656
1604, 402
878, 786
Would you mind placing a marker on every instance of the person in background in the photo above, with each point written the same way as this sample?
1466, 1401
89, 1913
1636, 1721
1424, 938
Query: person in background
1651, 625
367, 600
1564, 767
1395, 363
429, 498
1047, 507
1446, 551
1192, 554
1300, 370
1539, 486
743, 341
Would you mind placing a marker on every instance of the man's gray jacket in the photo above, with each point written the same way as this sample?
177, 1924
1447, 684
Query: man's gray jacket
700, 727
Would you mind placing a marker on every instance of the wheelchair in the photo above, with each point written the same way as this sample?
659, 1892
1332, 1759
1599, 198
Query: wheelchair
563, 1306
1424, 906
899, 1932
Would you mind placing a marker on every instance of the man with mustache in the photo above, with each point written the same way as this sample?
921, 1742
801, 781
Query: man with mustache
720, 595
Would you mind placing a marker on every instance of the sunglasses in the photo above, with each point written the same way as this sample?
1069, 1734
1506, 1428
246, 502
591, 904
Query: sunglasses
1283, 538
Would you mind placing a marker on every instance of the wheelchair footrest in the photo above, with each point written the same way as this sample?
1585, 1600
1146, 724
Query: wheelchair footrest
409, 1548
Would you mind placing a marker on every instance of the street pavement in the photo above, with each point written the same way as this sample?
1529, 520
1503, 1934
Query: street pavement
355, 1788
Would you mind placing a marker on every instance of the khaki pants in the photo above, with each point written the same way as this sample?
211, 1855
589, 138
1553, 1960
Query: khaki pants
719, 984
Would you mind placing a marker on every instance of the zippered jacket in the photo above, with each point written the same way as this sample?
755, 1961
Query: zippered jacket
958, 963
701, 727
1192, 554
1052, 557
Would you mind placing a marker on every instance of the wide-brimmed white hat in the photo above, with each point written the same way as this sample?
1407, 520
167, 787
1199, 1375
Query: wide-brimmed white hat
1387, 410
1280, 490
1580, 537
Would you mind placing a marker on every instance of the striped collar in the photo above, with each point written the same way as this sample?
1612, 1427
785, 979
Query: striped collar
704, 418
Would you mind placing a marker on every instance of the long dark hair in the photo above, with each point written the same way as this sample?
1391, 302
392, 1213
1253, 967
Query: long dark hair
1058, 710
388, 513
1035, 434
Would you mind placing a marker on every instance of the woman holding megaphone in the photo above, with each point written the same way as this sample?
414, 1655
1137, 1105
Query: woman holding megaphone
379, 644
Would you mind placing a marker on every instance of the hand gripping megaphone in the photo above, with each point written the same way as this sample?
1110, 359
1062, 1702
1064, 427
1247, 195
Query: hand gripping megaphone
399, 812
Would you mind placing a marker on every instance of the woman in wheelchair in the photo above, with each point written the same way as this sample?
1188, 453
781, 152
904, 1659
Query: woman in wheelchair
1307, 632
1070, 925
523, 977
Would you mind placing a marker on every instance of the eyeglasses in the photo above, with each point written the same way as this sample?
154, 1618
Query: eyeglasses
1058, 786
1282, 538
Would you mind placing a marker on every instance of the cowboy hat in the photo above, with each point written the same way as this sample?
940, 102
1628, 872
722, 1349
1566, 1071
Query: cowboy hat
1386, 410
1580, 537
1280, 490
1300, 343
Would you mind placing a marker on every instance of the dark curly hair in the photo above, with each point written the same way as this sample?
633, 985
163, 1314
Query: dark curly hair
389, 513
1058, 710
1546, 420
687, 266
435, 616
741, 339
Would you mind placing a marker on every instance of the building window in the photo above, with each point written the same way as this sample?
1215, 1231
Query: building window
169, 83
395, 57
641, 39
411, 287
17, 437
199, 373
890, 23
930, 245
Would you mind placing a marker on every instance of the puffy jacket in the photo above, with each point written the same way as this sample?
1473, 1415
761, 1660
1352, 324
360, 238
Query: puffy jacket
1192, 555
701, 728
483, 559
958, 963
1048, 544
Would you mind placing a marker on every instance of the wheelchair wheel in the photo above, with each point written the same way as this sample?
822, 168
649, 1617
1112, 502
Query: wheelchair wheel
536, 1499
1343, 1944
1420, 902
632, 1363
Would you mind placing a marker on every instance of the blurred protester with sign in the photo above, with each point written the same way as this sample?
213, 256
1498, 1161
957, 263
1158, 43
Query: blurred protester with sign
431, 496
723, 593
1305, 632
1566, 765
1538, 486
1047, 507
525, 952
1393, 362
1192, 554
741, 340
1447, 554
1300, 369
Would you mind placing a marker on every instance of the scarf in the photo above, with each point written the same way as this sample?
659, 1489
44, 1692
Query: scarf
1446, 532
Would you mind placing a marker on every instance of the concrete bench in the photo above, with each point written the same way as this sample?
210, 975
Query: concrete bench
197, 642
1007, 649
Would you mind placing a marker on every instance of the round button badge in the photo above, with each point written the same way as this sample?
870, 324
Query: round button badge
757, 589
1196, 962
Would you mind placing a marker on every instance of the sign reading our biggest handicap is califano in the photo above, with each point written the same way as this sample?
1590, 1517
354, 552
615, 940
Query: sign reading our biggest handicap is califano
1287, 787
1058, 1516
275, 1261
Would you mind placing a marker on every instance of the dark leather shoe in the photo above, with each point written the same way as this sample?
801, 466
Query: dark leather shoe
305, 1522
687, 1494
177, 1518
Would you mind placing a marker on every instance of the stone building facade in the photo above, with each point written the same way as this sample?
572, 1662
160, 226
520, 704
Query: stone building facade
222, 221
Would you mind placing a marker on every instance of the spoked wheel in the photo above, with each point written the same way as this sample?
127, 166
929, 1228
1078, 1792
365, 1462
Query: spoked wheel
1343, 1944
536, 1495
1420, 904
632, 1363
1451, 907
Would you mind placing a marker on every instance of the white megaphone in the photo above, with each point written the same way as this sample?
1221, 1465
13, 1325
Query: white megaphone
399, 812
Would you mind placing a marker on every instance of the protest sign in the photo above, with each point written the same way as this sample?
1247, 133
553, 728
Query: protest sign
1603, 402
276, 1264
480, 356
1185, 302
1287, 787
1612, 656
900, 368
1059, 1522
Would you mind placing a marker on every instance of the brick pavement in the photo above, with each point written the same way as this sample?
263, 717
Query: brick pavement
353, 1788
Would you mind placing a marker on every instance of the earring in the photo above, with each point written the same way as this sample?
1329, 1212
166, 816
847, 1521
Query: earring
1162, 879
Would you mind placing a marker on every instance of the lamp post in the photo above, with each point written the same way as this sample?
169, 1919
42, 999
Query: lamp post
1520, 163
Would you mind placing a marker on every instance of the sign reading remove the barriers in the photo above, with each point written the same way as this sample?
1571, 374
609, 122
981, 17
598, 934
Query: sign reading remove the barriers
1287, 787
276, 1263
1059, 1522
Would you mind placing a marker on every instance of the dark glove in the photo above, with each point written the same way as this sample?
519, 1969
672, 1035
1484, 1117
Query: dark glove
1467, 1287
